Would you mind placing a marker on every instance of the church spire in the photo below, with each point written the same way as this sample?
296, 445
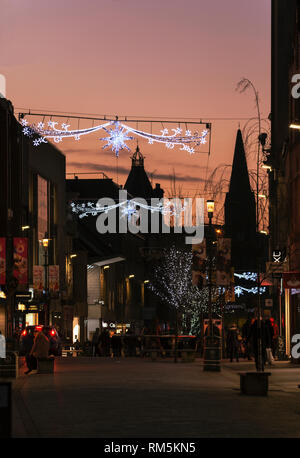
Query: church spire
240, 214
239, 181
138, 183
137, 158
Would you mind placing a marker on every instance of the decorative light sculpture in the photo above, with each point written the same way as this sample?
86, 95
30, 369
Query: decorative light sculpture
118, 134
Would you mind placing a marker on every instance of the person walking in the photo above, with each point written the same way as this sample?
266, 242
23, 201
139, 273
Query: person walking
275, 337
265, 340
41, 346
31, 362
269, 347
95, 343
2, 346
39, 350
104, 342
245, 335
233, 343
116, 345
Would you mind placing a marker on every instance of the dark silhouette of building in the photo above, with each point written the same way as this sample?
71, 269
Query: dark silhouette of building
284, 158
240, 213
138, 183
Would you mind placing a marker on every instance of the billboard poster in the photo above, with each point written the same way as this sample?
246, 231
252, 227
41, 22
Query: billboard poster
2, 260
38, 278
20, 269
199, 264
223, 262
53, 278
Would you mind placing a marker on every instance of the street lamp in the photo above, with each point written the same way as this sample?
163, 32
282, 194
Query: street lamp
212, 350
45, 243
210, 204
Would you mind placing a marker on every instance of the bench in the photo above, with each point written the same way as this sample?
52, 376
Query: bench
254, 383
73, 352
45, 365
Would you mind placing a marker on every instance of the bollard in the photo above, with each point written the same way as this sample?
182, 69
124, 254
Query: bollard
5, 410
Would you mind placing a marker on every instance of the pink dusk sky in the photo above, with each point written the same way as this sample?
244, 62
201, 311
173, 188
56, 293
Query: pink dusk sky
158, 58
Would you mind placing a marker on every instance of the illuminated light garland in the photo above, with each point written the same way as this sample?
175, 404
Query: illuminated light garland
247, 276
239, 290
117, 135
128, 208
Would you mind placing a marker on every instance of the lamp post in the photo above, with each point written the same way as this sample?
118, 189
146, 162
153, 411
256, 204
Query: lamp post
210, 211
45, 243
212, 349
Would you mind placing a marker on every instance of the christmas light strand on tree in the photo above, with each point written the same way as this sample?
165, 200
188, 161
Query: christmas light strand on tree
172, 280
118, 135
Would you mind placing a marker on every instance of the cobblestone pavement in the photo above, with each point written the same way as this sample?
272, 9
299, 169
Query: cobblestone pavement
133, 398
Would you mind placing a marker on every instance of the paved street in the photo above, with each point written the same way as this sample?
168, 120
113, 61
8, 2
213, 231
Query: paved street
138, 398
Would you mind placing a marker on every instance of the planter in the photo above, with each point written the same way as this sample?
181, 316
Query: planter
45, 365
254, 383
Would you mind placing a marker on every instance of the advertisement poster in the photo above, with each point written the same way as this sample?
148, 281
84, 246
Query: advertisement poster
20, 269
38, 278
199, 264
223, 262
2, 260
54, 278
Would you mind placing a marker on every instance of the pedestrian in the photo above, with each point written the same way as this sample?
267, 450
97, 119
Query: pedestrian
31, 362
95, 343
130, 343
116, 345
2, 346
233, 343
39, 350
265, 341
269, 347
41, 346
245, 335
104, 342
275, 337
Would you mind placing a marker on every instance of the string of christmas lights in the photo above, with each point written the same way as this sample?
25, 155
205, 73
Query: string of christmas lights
118, 135
247, 276
128, 208
240, 290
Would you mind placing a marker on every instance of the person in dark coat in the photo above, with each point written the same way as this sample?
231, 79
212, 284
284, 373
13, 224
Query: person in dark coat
116, 345
95, 343
265, 340
31, 361
245, 335
233, 343
130, 342
104, 342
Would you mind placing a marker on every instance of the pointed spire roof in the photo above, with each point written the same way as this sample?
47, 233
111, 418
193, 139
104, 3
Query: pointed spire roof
239, 181
137, 183
137, 158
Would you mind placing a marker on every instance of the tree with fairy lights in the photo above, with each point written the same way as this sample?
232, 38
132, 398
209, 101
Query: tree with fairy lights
172, 283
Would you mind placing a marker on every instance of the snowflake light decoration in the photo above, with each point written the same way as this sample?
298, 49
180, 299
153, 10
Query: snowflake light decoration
116, 138
118, 135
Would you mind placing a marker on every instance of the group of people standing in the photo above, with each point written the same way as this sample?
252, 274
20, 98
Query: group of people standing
245, 343
37, 347
103, 344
